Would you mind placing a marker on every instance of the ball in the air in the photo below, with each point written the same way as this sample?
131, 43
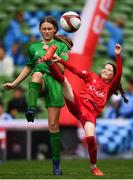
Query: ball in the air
70, 21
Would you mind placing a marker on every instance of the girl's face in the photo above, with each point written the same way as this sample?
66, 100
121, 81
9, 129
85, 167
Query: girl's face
107, 73
48, 31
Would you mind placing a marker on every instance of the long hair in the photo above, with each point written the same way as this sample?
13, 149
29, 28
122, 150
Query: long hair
120, 88
61, 38
64, 39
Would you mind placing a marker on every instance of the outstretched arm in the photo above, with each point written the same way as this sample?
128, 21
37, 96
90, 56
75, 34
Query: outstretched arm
118, 64
116, 80
50, 54
74, 70
24, 73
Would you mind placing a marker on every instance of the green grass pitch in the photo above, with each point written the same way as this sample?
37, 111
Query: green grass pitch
72, 169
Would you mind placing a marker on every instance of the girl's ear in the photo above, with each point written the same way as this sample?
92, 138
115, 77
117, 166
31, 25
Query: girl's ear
55, 30
40, 29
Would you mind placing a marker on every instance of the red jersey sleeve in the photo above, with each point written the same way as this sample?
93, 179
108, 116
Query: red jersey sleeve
82, 74
116, 80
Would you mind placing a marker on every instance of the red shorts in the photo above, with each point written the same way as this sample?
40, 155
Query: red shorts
81, 111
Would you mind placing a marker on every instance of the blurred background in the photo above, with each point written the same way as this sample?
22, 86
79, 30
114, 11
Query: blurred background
19, 21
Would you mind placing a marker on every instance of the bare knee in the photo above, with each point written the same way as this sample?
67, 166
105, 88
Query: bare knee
53, 127
89, 129
37, 77
53, 119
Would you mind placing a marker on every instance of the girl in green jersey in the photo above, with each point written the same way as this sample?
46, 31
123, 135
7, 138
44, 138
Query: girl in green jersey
41, 81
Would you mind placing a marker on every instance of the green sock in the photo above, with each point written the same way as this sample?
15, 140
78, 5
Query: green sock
33, 94
55, 145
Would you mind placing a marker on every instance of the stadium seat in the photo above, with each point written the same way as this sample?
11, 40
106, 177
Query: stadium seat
31, 8
56, 13
129, 25
127, 71
3, 15
128, 48
27, 16
52, 7
65, 2
42, 3
119, 15
128, 32
114, 139
77, 7
17, 2
10, 8
129, 2
81, 3
40, 14
102, 49
129, 63
125, 9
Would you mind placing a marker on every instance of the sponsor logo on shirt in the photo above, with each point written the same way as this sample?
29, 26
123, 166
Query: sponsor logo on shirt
84, 72
96, 92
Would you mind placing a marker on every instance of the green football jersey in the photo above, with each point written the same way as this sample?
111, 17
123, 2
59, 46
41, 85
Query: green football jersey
36, 51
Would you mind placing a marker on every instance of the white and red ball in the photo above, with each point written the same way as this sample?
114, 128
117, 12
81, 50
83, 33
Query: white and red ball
70, 21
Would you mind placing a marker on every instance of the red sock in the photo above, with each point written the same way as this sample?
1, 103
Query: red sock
56, 74
92, 149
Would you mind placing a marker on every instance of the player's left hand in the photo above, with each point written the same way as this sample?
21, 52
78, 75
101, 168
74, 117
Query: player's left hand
117, 48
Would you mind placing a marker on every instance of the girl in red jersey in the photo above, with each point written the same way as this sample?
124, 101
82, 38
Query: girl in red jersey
91, 100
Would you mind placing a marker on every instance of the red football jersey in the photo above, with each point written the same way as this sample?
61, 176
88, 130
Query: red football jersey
96, 90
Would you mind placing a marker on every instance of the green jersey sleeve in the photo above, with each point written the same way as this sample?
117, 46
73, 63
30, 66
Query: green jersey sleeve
63, 54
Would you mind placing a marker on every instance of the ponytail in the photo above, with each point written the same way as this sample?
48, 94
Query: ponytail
120, 88
122, 92
65, 40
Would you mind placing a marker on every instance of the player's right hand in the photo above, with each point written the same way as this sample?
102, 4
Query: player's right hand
117, 48
8, 86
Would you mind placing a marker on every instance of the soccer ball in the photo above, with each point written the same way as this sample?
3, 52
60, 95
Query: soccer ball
70, 21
